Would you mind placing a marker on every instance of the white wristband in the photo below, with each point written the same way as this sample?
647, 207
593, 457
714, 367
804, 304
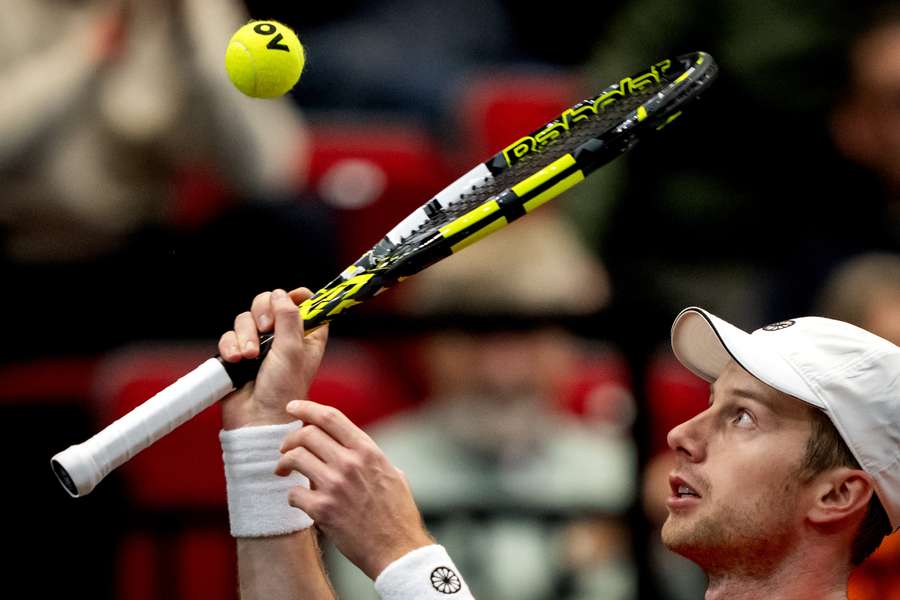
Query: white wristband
257, 498
426, 573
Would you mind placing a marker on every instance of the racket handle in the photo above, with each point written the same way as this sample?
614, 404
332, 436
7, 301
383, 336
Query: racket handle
81, 467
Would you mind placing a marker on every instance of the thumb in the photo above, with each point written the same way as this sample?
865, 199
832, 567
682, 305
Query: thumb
288, 324
314, 345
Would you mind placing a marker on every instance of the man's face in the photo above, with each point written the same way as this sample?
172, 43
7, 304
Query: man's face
741, 458
493, 388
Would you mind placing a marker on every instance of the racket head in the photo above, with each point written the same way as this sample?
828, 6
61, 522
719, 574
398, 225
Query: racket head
519, 178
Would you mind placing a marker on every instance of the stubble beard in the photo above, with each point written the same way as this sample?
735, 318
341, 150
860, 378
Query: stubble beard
725, 540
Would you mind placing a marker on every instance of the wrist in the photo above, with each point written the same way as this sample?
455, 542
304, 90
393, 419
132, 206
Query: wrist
381, 560
426, 573
241, 409
258, 503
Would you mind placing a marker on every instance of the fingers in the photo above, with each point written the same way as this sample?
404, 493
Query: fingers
288, 324
314, 344
303, 461
261, 309
266, 308
247, 336
309, 501
322, 507
300, 294
316, 441
331, 421
228, 347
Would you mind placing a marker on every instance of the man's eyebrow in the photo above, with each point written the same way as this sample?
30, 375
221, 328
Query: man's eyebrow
746, 394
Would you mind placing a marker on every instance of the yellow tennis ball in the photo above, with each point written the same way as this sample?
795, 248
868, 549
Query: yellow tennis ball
264, 59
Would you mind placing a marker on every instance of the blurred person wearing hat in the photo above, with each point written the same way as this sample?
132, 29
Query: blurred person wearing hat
865, 290
530, 498
507, 479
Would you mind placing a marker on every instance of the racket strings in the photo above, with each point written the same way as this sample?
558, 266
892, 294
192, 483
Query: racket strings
604, 120
610, 115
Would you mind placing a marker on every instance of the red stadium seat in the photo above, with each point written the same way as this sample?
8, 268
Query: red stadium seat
178, 544
196, 564
175, 488
136, 578
674, 395
373, 175
184, 469
496, 108
206, 562
45, 406
48, 380
198, 196
598, 389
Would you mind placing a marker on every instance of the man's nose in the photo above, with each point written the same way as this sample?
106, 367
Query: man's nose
687, 439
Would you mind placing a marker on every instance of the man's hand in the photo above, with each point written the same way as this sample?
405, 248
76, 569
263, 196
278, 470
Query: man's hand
288, 369
288, 566
358, 498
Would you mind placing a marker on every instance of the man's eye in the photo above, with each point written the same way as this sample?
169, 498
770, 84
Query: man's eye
743, 418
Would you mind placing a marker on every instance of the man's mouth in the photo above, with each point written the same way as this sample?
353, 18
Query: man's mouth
681, 488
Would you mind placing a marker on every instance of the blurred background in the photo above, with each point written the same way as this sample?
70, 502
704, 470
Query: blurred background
525, 386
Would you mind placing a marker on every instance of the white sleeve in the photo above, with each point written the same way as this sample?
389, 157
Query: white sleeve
426, 573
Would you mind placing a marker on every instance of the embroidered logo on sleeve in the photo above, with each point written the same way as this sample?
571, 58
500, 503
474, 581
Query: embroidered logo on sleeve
445, 581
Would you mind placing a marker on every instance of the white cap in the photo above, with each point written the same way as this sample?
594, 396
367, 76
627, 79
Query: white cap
850, 374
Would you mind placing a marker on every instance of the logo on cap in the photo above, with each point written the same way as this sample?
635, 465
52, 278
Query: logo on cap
445, 581
778, 326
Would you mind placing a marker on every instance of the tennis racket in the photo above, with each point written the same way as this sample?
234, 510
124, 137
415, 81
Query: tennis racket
509, 185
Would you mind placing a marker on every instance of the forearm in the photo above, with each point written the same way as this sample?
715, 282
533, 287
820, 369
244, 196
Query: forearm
278, 557
282, 567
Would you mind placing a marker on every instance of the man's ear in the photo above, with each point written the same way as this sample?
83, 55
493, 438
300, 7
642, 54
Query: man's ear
840, 494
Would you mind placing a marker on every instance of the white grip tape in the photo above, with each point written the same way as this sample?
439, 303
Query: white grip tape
86, 464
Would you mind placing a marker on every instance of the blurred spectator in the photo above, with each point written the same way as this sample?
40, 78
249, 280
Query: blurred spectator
866, 121
104, 101
865, 291
860, 210
113, 112
862, 206
403, 56
705, 214
530, 501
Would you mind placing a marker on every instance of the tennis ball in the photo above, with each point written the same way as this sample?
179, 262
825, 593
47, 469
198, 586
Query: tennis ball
264, 59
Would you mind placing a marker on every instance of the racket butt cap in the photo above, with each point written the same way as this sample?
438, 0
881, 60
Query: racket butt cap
73, 470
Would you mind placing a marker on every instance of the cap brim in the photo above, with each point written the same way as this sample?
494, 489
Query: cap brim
705, 344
